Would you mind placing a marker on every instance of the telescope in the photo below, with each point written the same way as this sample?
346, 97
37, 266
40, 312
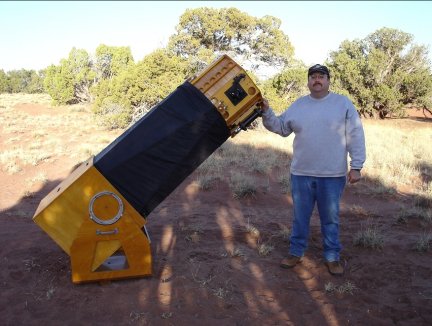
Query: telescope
98, 214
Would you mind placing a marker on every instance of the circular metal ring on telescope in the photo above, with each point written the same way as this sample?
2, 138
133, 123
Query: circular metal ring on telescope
115, 218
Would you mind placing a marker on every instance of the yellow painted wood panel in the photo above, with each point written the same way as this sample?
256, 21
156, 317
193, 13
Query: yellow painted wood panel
63, 211
216, 79
89, 248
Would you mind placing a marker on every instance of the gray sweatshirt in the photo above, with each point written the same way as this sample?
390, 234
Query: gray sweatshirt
326, 130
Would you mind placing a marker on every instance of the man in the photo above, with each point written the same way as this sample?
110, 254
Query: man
327, 128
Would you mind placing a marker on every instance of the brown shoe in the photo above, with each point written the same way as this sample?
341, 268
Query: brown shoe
335, 268
290, 261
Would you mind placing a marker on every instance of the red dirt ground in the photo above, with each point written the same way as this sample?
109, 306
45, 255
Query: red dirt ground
196, 281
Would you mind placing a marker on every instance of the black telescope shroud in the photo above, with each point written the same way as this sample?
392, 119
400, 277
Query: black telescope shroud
151, 158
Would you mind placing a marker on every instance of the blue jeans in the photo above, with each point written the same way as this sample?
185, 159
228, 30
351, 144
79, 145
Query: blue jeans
326, 192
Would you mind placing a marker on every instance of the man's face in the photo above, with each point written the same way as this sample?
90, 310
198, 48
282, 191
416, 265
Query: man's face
318, 83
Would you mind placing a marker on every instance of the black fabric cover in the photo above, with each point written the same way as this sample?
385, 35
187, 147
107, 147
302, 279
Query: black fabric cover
150, 159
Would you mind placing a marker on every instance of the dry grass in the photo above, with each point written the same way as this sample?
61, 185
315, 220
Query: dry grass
252, 230
284, 232
236, 252
9, 100
284, 180
167, 315
242, 185
137, 316
31, 139
214, 164
31, 265
206, 181
415, 212
347, 287
264, 248
221, 293
424, 243
369, 236
399, 154
47, 138
360, 211
193, 232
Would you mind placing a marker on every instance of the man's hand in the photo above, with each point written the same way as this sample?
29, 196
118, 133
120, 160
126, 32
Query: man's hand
354, 176
264, 105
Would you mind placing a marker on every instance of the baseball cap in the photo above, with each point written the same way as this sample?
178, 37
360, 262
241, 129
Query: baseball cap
319, 68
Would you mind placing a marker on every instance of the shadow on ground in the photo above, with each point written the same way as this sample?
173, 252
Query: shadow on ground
210, 264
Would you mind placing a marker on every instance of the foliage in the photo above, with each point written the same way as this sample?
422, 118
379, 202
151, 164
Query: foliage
35, 84
114, 115
383, 73
21, 81
70, 82
58, 84
144, 84
124, 91
18, 79
80, 65
110, 61
4, 82
228, 30
286, 87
